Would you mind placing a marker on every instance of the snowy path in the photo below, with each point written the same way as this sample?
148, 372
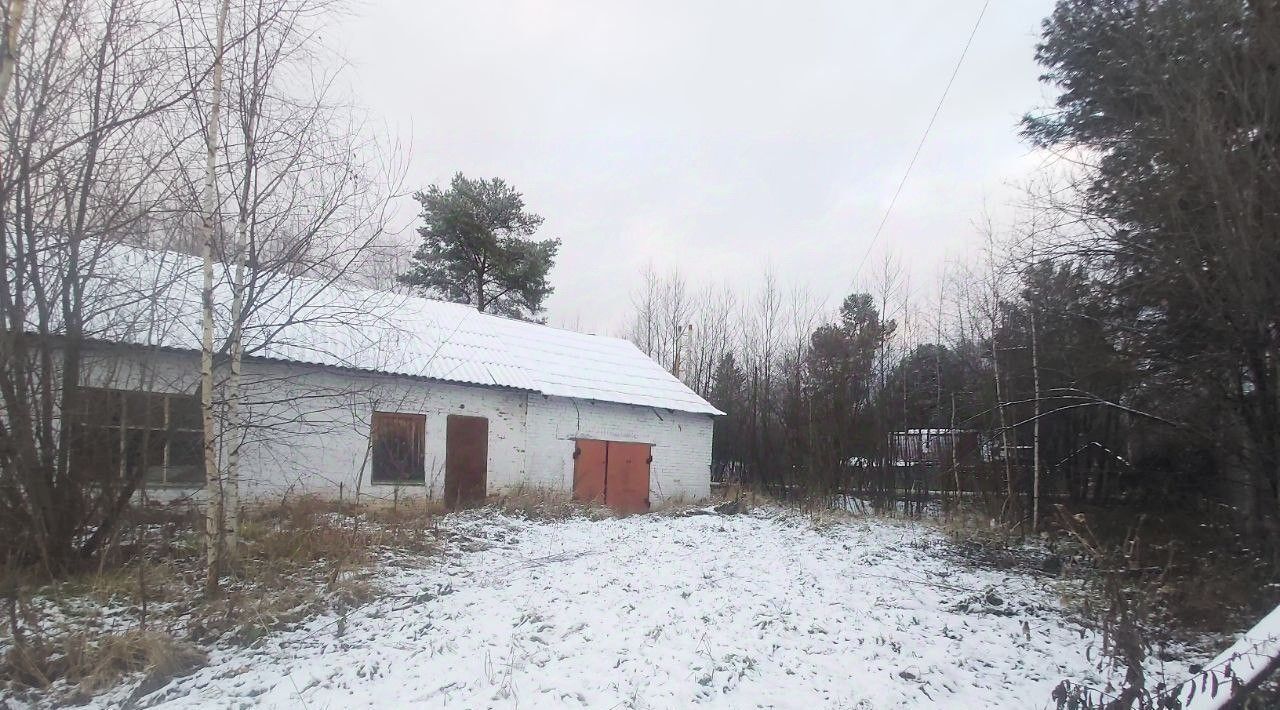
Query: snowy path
745, 611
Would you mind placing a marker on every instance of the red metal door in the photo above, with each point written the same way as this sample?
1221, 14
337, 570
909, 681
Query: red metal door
627, 477
589, 457
466, 460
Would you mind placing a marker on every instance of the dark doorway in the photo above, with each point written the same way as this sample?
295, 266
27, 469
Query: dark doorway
466, 460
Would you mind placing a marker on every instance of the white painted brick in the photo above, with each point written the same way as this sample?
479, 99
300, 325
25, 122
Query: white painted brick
312, 428
681, 442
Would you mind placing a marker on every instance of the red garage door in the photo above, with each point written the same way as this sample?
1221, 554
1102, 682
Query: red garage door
589, 460
613, 472
626, 484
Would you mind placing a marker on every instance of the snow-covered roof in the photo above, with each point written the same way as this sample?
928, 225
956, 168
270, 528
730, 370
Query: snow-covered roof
148, 297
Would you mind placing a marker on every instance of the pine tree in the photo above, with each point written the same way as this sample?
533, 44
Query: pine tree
728, 394
476, 249
1176, 103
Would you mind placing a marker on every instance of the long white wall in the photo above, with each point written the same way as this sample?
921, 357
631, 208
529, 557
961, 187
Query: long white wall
309, 428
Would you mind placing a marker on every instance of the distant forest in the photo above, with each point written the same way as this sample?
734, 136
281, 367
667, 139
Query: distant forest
1118, 344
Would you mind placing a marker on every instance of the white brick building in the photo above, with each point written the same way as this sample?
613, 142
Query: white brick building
390, 395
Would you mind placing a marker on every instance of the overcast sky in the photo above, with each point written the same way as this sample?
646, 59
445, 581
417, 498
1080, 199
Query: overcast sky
719, 138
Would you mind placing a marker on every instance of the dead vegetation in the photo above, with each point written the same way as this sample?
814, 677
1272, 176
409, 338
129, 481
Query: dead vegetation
1203, 578
543, 503
534, 502
137, 610
1152, 584
89, 663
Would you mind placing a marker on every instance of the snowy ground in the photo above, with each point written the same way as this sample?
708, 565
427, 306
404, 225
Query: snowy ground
760, 610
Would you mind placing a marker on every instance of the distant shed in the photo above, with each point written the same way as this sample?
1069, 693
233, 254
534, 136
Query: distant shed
351, 390
935, 447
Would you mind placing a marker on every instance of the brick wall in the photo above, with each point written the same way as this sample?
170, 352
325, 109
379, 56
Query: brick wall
681, 442
309, 428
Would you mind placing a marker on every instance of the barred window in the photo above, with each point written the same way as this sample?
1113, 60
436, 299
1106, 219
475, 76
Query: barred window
398, 442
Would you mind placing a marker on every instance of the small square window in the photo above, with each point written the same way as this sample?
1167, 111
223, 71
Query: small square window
144, 452
94, 451
144, 410
398, 442
99, 407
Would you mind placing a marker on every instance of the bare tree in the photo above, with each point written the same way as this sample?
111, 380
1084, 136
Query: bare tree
310, 206
105, 146
1037, 396
91, 128
644, 303
712, 336
993, 295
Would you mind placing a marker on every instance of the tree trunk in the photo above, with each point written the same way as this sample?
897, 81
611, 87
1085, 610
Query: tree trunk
9, 53
955, 454
215, 513
234, 432
1035, 436
1011, 500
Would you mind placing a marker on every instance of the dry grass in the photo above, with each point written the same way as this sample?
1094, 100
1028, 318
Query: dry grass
1212, 580
675, 505
1198, 576
307, 530
413, 512
970, 525
542, 503
88, 663
248, 612
297, 558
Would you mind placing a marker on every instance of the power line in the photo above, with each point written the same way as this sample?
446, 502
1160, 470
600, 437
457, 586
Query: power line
932, 119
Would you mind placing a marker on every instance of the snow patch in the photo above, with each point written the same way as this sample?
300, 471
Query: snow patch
654, 611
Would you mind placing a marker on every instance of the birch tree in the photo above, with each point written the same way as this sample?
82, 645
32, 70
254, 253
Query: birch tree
216, 505
310, 199
1035, 436
13, 12
993, 294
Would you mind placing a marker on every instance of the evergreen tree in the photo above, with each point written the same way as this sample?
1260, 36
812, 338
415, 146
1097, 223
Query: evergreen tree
728, 394
1178, 104
839, 374
923, 385
476, 249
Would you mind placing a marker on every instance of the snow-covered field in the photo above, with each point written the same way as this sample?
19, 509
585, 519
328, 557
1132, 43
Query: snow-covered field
758, 610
